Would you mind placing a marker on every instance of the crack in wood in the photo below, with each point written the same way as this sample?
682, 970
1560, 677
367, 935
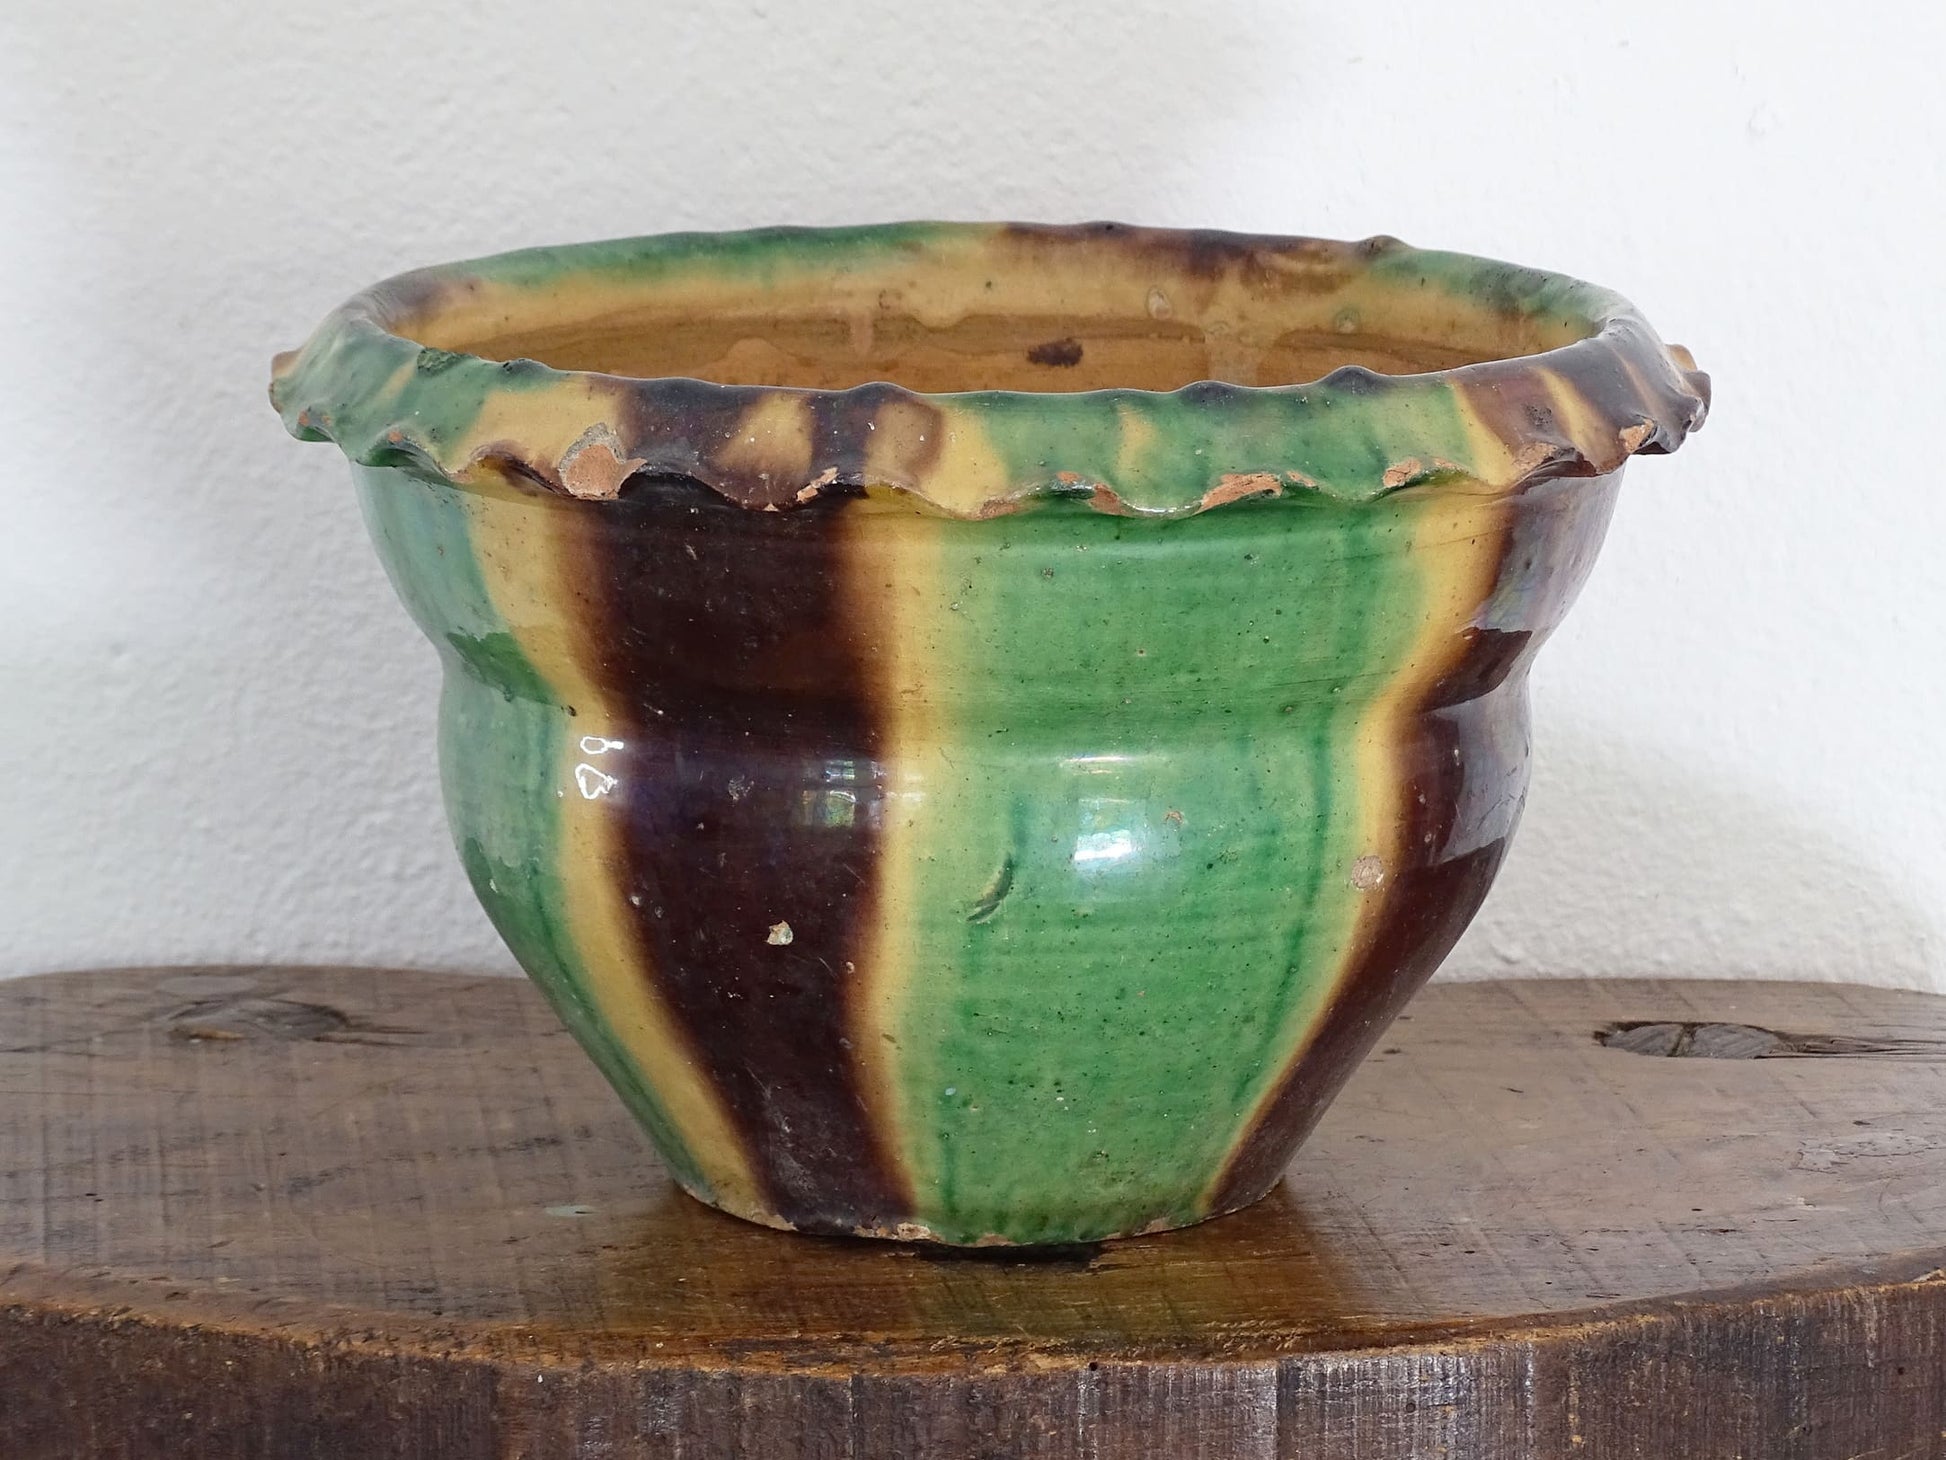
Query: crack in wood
1699, 1039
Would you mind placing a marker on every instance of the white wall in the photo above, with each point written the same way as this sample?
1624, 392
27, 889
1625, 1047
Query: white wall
216, 725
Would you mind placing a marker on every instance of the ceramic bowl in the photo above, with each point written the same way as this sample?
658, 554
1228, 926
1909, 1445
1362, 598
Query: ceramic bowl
977, 729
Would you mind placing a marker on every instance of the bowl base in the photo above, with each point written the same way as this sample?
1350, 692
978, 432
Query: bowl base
919, 1233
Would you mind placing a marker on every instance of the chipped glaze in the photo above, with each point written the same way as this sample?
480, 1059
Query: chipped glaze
1001, 805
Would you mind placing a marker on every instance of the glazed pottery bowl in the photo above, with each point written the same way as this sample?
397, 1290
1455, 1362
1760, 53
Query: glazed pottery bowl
976, 729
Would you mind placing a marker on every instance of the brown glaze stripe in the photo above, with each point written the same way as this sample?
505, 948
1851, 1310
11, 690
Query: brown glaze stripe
751, 847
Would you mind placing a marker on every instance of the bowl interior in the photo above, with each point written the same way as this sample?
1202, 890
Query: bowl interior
1043, 310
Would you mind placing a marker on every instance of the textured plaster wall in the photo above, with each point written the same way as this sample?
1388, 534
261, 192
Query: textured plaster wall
216, 726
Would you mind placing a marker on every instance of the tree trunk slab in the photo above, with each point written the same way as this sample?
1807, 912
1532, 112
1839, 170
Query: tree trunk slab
357, 1214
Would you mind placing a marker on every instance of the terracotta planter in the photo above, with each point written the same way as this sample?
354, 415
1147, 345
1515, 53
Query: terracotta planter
1002, 804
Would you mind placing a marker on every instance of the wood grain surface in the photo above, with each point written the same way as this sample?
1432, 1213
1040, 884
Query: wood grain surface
359, 1213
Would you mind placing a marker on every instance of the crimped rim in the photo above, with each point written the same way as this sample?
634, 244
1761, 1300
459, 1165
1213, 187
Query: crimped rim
1577, 409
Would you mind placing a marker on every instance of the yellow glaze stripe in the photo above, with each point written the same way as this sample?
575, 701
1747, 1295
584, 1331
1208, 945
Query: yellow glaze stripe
894, 555
524, 547
1457, 540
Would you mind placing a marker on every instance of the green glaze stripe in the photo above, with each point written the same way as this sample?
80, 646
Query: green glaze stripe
1121, 948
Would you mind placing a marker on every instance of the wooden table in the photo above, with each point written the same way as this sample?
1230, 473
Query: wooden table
353, 1213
